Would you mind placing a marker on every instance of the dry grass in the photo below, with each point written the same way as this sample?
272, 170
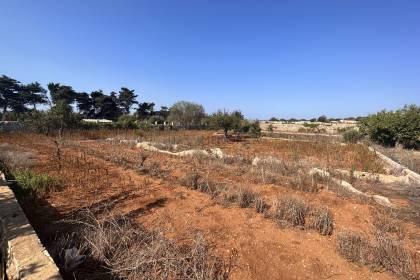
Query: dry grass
305, 182
13, 158
132, 252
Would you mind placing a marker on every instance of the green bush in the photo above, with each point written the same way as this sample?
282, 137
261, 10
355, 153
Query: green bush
255, 129
352, 136
127, 122
32, 183
394, 127
323, 118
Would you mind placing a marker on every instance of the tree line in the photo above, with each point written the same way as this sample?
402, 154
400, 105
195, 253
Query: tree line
19, 98
63, 107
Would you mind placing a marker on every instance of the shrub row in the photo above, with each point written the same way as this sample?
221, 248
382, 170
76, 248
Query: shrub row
286, 210
394, 127
381, 253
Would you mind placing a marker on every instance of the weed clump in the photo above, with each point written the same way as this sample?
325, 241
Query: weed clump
323, 221
352, 246
245, 198
383, 253
304, 182
291, 210
191, 180
29, 182
390, 254
261, 206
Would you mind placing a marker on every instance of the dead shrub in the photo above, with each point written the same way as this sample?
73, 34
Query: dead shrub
261, 206
323, 221
191, 179
264, 176
245, 198
279, 166
383, 253
227, 197
239, 160
291, 210
304, 182
353, 247
153, 169
143, 156
131, 252
209, 187
392, 256
388, 223
13, 158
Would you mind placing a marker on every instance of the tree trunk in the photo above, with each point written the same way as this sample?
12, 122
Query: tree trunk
4, 112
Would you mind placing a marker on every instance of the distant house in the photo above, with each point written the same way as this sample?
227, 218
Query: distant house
96, 121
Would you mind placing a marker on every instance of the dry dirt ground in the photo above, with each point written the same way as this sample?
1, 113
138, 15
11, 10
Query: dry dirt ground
152, 189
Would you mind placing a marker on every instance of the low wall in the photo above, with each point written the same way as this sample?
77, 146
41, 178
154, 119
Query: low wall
25, 256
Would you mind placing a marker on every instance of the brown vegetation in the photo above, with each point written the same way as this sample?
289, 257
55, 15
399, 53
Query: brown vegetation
197, 213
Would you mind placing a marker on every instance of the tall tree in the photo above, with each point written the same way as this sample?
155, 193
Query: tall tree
104, 106
63, 93
10, 94
126, 99
85, 105
145, 110
34, 94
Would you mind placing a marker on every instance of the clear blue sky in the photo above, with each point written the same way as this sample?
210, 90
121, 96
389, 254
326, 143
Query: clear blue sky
268, 58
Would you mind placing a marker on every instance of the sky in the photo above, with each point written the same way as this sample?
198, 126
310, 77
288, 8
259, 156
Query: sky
288, 59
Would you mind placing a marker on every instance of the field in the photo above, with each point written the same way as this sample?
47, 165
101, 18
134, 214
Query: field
261, 208
309, 127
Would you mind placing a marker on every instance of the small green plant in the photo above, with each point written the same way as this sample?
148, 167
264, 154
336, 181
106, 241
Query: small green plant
255, 129
32, 183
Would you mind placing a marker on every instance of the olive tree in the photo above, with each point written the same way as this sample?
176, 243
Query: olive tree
227, 121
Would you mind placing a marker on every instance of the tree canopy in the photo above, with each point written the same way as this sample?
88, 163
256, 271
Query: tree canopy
186, 114
227, 121
16, 96
126, 99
